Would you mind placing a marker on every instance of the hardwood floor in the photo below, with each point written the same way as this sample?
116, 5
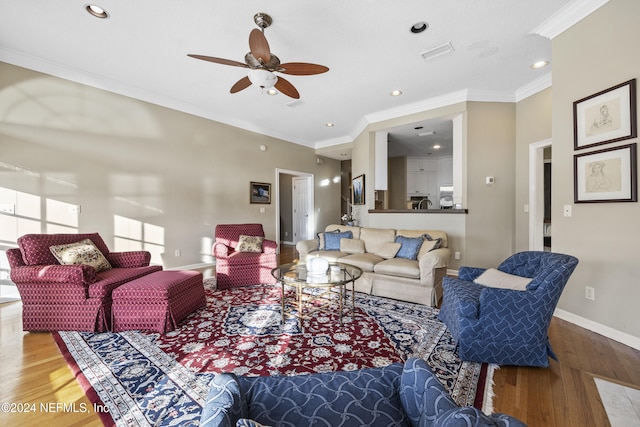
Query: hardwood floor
32, 371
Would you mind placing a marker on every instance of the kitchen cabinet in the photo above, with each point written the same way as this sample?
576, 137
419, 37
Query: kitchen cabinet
422, 184
422, 164
422, 177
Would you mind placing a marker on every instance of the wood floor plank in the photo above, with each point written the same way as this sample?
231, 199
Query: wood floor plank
33, 370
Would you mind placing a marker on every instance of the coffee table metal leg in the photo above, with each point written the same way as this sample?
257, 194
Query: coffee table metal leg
282, 301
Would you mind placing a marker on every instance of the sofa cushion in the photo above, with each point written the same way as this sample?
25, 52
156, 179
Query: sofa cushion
398, 267
434, 234
353, 229
332, 240
366, 261
374, 238
363, 397
331, 256
352, 246
82, 252
35, 247
249, 243
499, 279
428, 246
389, 250
321, 240
410, 246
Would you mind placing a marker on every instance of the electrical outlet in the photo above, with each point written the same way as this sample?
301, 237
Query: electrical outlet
566, 210
8, 208
177, 252
456, 255
590, 293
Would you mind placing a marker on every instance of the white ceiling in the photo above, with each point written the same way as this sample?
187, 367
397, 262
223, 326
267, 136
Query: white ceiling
141, 51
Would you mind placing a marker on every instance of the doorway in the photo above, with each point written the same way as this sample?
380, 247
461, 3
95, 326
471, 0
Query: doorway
294, 206
540, 195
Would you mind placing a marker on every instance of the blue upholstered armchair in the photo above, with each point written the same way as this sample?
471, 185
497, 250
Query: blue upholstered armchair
507, 326
395, 395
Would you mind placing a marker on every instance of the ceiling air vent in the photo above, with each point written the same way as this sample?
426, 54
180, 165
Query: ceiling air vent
437, 51
295, 103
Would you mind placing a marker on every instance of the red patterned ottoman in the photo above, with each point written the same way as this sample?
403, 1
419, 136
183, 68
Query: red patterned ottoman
157, 301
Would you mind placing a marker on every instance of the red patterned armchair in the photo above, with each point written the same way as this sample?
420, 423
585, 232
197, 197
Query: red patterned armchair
69, 297
237, 267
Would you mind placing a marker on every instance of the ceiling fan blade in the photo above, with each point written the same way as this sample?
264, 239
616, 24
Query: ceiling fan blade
219, 60
287, 88
259, 46
243, 83
301, 68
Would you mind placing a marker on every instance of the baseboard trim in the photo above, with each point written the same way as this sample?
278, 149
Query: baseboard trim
614, 334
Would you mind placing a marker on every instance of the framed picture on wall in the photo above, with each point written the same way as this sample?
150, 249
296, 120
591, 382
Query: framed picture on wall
260, 192
606, 116
608, 175
358, 190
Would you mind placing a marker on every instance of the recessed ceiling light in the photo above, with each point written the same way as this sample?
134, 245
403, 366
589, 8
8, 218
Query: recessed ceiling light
96, 11
329, 125
427, 133
540, 64
396, 93
419, 27
437, 146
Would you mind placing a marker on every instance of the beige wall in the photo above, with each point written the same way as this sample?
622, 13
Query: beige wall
116, 156
491, 152
595, 54
533, 125
485, 236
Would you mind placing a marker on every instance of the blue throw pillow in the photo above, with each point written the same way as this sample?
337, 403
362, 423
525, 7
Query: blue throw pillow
332, 240
409, 247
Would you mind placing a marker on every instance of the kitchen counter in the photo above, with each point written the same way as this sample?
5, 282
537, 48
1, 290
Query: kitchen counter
419, 211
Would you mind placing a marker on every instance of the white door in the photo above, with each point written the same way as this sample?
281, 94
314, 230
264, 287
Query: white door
300, 209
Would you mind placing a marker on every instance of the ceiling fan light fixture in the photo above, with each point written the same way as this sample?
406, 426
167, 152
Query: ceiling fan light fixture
263, 78
96, 11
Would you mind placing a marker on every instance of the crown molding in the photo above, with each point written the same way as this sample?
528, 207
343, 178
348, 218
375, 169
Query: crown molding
533, 87
566, 17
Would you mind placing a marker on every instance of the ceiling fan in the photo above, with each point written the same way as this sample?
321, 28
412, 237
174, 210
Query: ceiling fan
263, 63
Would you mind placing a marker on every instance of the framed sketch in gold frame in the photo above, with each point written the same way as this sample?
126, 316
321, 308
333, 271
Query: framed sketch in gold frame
260, 192
608, 175
606, 116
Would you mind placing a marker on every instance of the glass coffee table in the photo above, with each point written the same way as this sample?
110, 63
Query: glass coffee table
315, 293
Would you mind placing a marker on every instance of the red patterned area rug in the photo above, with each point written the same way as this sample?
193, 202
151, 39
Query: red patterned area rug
144, 379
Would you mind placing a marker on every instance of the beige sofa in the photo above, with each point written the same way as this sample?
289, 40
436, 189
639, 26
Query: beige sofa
384, 274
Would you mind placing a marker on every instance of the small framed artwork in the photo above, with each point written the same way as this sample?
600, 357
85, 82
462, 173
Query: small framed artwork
260, 192
608, 175
606, 116
358, 190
